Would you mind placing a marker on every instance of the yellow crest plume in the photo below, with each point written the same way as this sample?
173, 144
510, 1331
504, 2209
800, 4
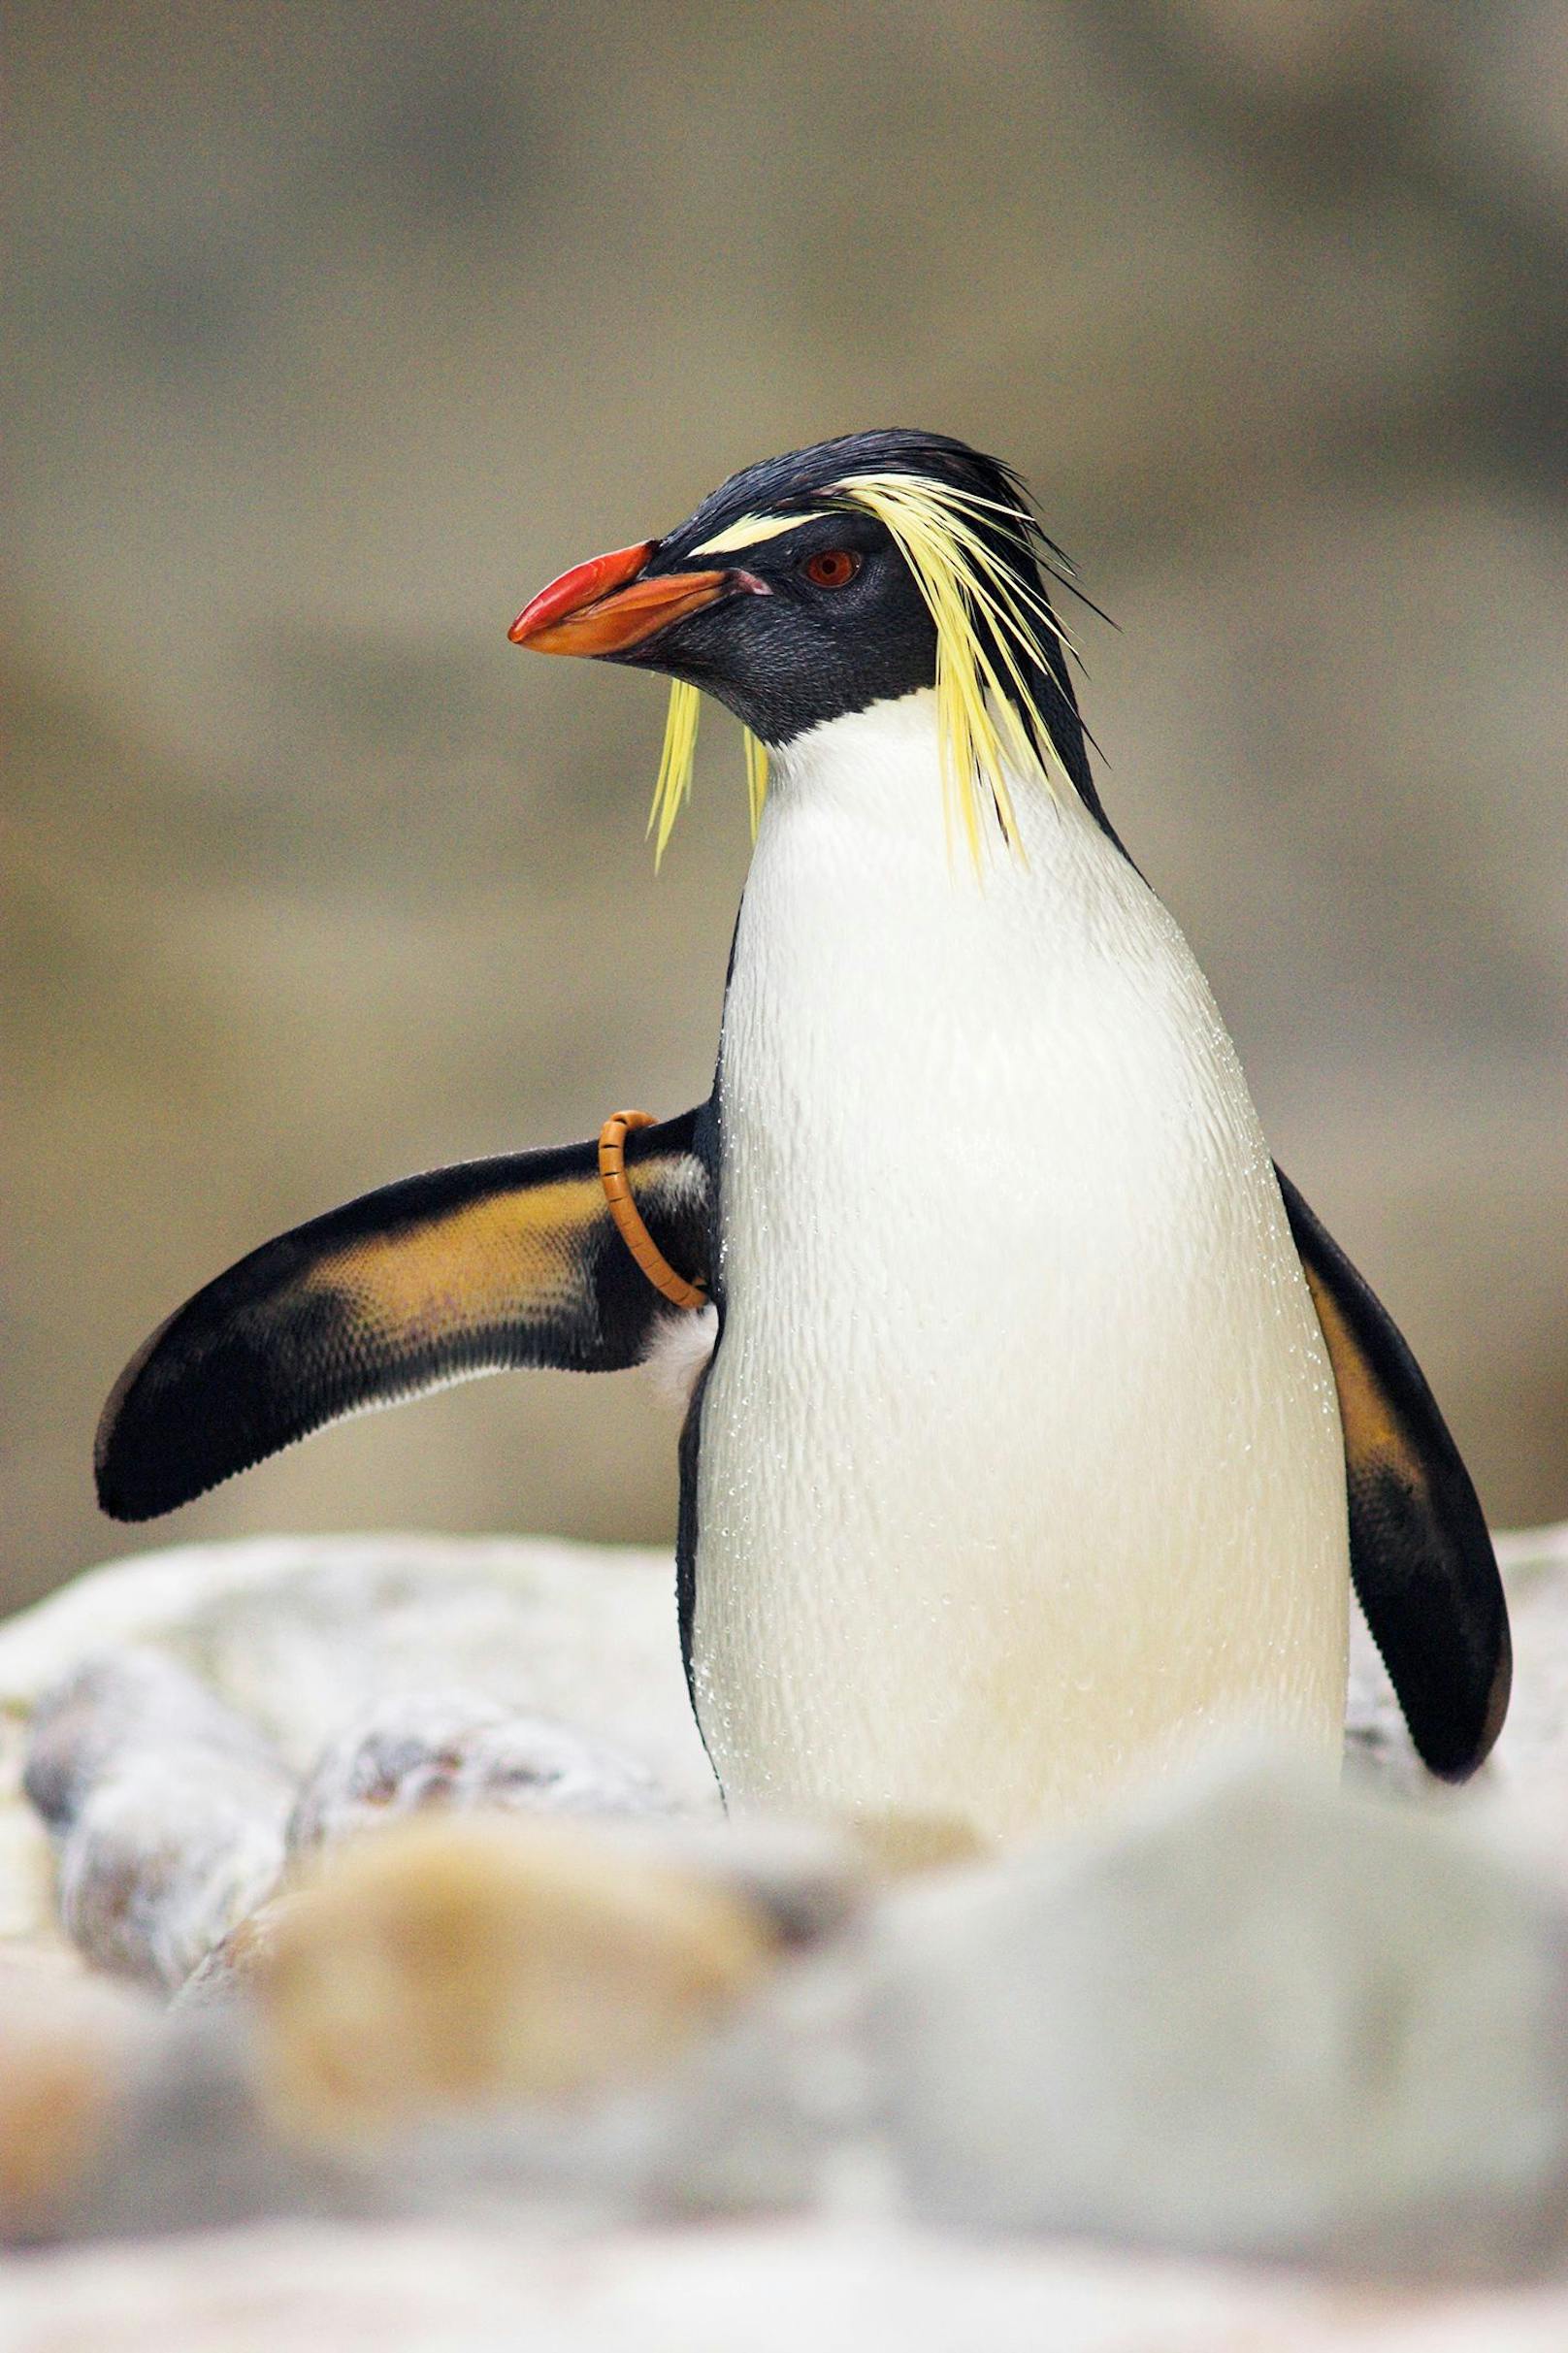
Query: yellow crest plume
934, 525
673, 787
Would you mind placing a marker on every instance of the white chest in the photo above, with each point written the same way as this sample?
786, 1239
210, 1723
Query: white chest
1021, 1467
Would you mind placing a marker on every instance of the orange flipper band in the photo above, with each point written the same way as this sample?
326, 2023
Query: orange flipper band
627, 1216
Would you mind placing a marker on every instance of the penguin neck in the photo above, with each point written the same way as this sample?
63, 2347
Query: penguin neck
877, 775
858, 858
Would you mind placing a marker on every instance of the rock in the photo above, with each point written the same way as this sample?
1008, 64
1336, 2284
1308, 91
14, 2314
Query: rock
803, 1882
835, 2287
743, 2098
304, 1635
1269, 2021
1261, 2022
804, 1879
299, 1635
745, 2101
189, 2144
167, 1810
69, 2048
452, 1961
459, 1750
1530, 1761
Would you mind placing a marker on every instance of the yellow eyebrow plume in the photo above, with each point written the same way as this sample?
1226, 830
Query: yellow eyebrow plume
749, 531
673, 787
964, 583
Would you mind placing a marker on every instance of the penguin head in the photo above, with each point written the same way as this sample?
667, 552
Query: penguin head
814, 585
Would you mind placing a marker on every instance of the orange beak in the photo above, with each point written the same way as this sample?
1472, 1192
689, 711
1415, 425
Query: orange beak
603, 607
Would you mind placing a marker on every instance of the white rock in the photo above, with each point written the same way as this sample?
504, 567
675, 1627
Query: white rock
1531, 1758
303, 1634
190, 2146
1266, 2021
168, 1812
834, 2288
71, 2046
416, 1750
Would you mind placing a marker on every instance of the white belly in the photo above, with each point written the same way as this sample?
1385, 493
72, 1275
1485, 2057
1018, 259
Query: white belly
1021, 1471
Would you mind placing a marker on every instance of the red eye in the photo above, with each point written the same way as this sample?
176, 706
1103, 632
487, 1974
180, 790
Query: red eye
834, 567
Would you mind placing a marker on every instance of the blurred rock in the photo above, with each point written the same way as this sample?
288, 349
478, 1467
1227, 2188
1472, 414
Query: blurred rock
189, 2144
167, 1810
805, 1879
767, 2110
305, 1635
69, 2048
1379, 1751
1271, 2021
299, 1635
1531, 1758
744, 2098
419, 2287
750, 2105
449, 1962
457, 1749
107, 1709
1263, 2023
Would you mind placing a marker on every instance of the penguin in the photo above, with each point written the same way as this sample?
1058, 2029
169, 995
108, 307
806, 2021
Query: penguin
1044, 1427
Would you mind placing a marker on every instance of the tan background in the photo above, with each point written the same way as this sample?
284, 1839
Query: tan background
338, 330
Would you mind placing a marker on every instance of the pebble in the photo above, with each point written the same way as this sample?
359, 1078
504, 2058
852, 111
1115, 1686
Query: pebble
1264, 2020
70, 2044
167, 1810
1261, 2022
460, 1749
777, 2287
469, 1959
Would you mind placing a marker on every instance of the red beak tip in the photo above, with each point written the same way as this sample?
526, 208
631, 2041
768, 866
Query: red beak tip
585, 584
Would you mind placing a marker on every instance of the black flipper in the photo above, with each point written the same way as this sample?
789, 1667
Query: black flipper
477, 1268
1421, 1558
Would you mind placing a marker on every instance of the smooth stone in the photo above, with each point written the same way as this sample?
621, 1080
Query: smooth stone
302, 1635
167, 1810
456, 1960
458, 1749
832, 2286
190, 2144
752, 2102
70, 2047
1266, 2021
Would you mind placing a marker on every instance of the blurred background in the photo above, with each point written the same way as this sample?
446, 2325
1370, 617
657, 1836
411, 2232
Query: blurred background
336, 331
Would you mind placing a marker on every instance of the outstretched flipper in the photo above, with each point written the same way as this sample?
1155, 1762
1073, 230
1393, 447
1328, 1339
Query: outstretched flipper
472, 1269
1420, 1557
